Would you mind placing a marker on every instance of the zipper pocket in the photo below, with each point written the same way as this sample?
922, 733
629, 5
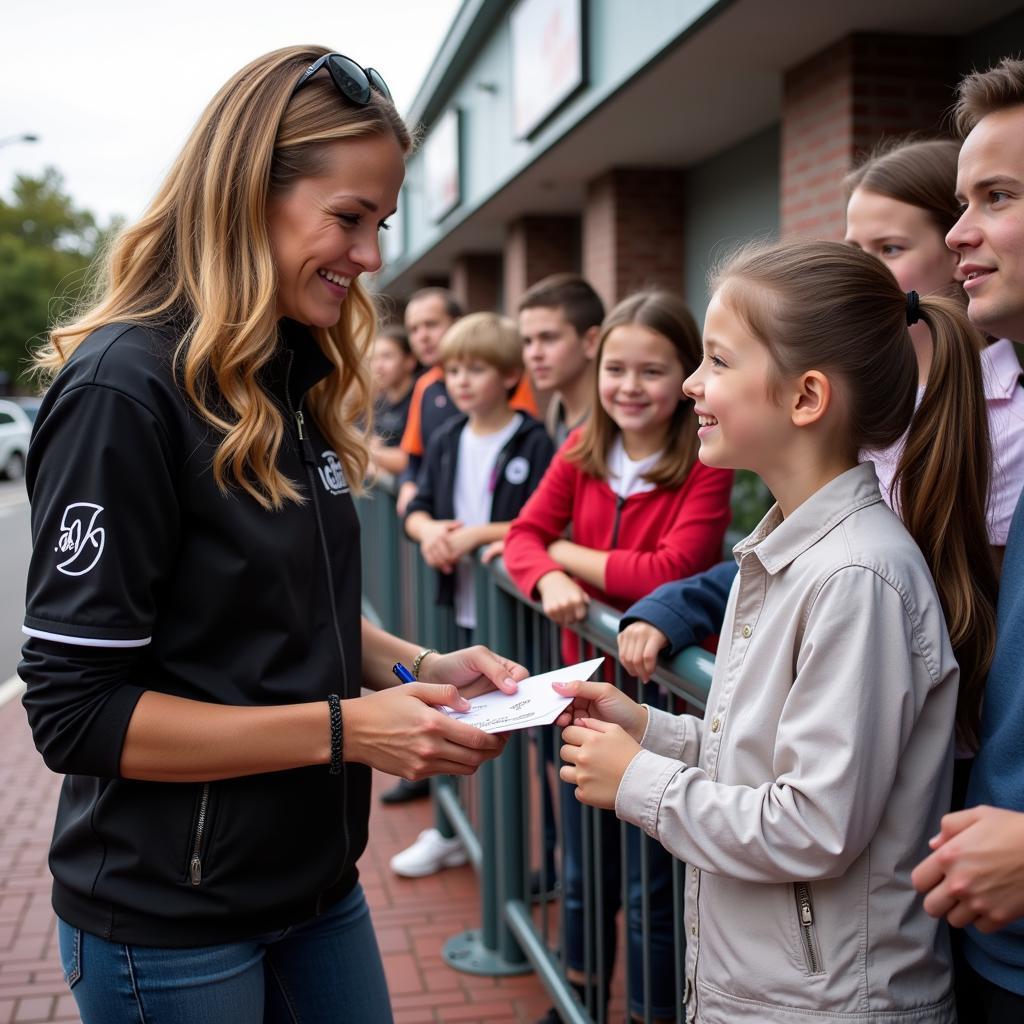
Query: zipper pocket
195, 864
808, 936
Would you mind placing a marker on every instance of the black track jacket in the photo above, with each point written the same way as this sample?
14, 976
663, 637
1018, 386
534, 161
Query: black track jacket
145, 576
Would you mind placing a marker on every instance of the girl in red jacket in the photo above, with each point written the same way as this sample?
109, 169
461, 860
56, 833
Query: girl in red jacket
641, 510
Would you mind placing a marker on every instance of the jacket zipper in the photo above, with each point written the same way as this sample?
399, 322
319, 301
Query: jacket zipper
804, 908
311, 476
619, 502
195, 865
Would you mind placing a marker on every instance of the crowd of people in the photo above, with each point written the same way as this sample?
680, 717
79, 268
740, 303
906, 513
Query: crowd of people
197, 665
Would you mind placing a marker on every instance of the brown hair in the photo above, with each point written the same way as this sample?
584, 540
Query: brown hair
570, 293
921, 173
832, 307
491, 338
451, 304
201, 256
398, 334
667, 315
984, 92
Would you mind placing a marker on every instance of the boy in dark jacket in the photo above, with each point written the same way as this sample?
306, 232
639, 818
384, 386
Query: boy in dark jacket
481, 466
478, 470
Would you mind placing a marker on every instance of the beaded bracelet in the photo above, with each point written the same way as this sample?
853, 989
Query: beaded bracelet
334, 704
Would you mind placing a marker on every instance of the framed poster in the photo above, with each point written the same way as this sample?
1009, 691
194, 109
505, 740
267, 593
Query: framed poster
442, 166
547, 59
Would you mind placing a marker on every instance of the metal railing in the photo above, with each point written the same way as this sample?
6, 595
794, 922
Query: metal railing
504, 813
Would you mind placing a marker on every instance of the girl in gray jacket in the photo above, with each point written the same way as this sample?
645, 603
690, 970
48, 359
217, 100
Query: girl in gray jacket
808, 792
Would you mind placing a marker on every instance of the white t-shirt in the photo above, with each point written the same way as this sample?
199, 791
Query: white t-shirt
474, 492
626, 475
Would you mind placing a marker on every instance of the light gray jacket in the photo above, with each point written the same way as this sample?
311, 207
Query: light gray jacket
807, 794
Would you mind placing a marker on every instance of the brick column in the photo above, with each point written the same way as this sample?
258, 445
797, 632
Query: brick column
476, 281
633, 231
840, 103
536, 246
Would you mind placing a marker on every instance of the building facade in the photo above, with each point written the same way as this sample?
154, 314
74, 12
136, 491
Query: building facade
637, 141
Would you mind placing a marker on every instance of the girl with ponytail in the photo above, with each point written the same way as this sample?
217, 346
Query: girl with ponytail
805, 796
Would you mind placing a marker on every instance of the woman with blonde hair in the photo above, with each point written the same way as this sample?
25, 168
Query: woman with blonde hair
195, 651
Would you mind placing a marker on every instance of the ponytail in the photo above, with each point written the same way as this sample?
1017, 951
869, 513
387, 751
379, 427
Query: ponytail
942, 483
834, 307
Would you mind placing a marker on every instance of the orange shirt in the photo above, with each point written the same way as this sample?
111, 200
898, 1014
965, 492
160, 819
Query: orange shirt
413, 442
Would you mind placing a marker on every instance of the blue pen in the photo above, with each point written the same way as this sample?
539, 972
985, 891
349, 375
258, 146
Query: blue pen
404, 675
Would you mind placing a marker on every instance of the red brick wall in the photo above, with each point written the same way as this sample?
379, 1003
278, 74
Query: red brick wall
476, 281
633, 231
839, 103
535, 247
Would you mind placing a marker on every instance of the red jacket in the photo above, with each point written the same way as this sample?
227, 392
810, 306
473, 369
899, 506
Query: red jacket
653, 537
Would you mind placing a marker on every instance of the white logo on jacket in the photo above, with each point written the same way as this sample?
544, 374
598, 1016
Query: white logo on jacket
80, 535
518, 470
332, 476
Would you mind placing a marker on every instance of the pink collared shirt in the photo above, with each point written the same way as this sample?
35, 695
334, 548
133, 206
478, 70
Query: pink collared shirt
1004, 399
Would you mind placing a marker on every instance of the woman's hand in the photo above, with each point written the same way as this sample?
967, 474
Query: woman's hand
435, 544
473, 671
597, 755
603, 702
401, 731
564, 600
639, 646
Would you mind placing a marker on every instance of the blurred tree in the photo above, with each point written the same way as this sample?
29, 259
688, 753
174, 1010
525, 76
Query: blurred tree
46, 247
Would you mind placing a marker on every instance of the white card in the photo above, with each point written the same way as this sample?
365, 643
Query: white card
535, 702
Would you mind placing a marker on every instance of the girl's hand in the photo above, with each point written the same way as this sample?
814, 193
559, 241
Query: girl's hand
639, 644
603, 702
493, 550
401, 731
597, 755
473, 670
436, 545
564, 600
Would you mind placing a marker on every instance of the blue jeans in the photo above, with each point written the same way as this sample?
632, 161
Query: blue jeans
326, 969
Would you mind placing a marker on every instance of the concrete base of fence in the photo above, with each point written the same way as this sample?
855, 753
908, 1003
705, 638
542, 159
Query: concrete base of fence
467, 953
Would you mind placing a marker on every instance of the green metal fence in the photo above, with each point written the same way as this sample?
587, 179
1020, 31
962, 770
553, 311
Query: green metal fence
499, 813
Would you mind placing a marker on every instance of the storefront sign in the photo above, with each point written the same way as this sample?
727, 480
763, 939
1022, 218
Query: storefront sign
547, 59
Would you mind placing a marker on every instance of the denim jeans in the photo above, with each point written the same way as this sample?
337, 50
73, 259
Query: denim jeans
326, 969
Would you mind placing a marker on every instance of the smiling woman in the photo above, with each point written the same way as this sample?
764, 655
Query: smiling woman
196, 656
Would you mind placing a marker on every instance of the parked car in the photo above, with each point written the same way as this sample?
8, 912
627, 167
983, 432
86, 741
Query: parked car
15, 431
30, 404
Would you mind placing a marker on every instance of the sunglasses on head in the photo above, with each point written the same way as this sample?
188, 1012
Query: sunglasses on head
352, 80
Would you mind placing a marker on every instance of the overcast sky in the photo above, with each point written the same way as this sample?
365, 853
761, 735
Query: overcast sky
112, 87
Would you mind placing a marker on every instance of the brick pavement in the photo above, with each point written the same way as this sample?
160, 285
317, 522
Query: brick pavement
413, 917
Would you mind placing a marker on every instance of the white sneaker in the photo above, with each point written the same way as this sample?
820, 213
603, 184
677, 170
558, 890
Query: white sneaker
429, 854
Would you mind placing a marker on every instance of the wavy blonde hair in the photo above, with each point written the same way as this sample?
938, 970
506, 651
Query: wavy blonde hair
201, 257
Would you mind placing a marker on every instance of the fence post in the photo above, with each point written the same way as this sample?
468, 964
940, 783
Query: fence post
492, 949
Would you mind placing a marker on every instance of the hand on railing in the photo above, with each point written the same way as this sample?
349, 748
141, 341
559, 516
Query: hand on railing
493, 550
405, 494
563, 599
639, 645
436, 544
